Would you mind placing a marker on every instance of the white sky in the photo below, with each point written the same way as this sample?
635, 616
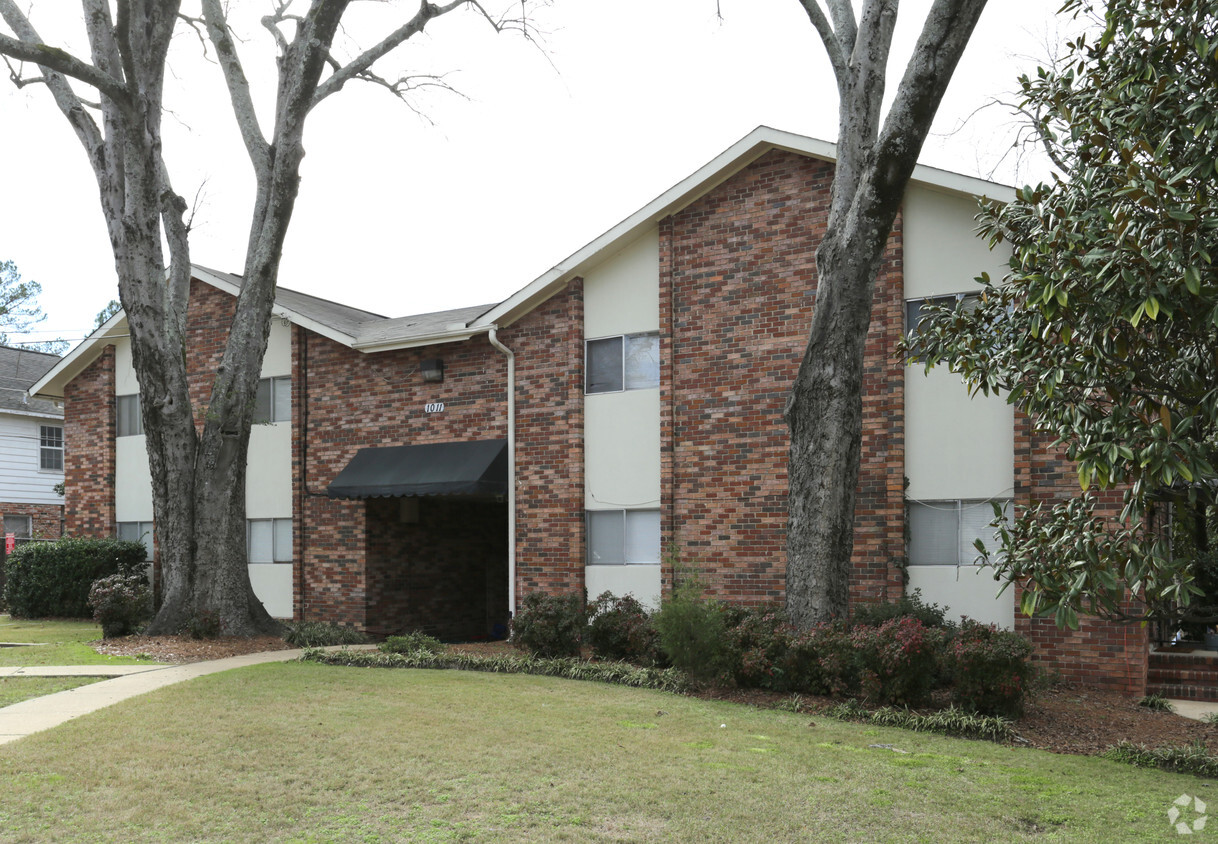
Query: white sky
399, 214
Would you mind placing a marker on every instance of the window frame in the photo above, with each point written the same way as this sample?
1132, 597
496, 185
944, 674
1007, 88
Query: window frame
29, 525
625, 534
45, 449
957, 506
622, 371
277, 552
134, 415
274, 386
142, 529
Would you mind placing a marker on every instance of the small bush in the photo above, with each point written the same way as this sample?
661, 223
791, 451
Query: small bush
1193, 759
414, 642
990, 669
693, 635
121, 604
44, 579
822, 661
549, 625
1156, 703
908, 606
621, 628
897, 661
320, 634
759, 638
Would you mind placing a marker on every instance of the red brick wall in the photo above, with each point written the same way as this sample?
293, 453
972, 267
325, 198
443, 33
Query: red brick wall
1098, 653
89, 449
46, 520
737, 282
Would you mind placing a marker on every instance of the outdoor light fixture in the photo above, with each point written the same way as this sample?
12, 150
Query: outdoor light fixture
433, 370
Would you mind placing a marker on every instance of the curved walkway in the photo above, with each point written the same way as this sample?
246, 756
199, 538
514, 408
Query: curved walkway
42, 713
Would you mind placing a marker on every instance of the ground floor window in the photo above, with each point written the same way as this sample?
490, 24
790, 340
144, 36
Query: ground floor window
269, 541
943, 533
623, 537
137, 532
19, 526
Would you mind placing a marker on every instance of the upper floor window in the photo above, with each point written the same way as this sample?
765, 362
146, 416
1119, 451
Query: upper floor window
623, 537
273, 401
625, 362
50, 448
130, 420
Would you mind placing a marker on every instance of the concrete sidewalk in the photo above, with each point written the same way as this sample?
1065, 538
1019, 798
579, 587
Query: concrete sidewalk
42, 713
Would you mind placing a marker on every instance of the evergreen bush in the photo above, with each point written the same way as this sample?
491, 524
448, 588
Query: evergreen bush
53, 579
990, 669
121, 603
622, 628
550, 625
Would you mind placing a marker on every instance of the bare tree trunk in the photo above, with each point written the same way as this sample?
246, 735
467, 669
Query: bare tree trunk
824, 411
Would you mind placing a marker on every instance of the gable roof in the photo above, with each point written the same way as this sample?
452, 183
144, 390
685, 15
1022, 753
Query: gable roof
19, 368
368, 332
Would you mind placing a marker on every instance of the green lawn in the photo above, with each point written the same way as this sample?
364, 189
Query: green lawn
61, 642
16, 689
302, 752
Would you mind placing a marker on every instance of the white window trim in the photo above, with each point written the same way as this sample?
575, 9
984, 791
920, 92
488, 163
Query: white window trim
958, 505
43, 449
625, 541
276, 558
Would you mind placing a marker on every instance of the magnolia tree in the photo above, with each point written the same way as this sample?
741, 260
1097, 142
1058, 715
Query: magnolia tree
875, 159
112, 98
1105, 332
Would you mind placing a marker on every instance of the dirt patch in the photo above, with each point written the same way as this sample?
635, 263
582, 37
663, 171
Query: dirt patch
1062, 720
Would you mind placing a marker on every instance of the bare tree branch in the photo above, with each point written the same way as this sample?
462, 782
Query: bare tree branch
31, 48
833, 47
238, 86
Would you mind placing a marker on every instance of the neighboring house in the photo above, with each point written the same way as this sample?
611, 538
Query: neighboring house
31, 448
614, 421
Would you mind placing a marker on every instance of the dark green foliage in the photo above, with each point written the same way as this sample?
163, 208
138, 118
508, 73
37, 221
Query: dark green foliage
1104, 330
990, 669
550, 625
898, 662
1193, 759
693, 635
621, 628
45, 579
619, 673
121, 603
907, 606
320, 634
411, 643
950, 722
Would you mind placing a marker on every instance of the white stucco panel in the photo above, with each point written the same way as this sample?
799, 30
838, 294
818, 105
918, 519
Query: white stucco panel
965, 590
272, 584
622, 449
268, 480
278, 358
132, 480
643, 582
942, 252
622, 294
125, 382
956, 446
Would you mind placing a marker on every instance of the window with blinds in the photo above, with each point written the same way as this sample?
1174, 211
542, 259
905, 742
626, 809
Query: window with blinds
942, 533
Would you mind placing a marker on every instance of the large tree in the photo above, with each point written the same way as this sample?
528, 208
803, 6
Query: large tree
200, 523
1105, 332
874, 163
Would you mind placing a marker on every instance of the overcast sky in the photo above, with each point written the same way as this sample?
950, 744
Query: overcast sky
401, 213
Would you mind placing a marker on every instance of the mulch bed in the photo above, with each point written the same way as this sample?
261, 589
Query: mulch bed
1063, 719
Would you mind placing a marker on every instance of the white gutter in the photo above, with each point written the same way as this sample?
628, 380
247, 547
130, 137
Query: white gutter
511, 445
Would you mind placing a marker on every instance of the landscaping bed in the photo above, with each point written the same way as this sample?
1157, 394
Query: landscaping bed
1061, 719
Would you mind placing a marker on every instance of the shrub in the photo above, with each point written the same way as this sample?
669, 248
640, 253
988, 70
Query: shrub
204, 624
990, 669
621, 628
54, 578
759, 638
821, 661
320, 634
549, 625
1193, 759
414, 642
693, 634
121, 603
908, 606
897, 661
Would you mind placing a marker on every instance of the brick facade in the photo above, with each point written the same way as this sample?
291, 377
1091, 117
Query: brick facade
737, 288
88, 423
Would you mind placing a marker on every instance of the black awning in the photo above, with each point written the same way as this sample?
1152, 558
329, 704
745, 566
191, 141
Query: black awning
463, 468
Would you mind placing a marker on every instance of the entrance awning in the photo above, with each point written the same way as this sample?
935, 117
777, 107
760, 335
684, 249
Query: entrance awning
461, 468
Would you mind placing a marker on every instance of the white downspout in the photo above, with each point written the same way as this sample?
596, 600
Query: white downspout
511, 446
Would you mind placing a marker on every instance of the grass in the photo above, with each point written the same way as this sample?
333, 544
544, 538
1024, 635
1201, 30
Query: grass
300, 752
16, 689
61, 642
